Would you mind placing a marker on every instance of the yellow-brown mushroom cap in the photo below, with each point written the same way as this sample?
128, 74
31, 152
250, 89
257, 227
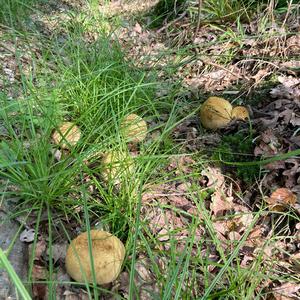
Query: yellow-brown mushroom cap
134, 128
68, 134
108, 256
240, 113
116, 165
215, 113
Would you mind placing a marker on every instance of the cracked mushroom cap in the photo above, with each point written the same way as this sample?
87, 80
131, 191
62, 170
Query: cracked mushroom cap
134, 128
68, 134
240, 113
108, 256
215, 113
117, 164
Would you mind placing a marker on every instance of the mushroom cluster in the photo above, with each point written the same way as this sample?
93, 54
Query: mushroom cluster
118, 164
107, 250
108, 254
217, 113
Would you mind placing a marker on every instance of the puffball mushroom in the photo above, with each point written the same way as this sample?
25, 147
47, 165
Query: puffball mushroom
68, 134
215, 113
108, 256
134, 128
240, 113
116, 164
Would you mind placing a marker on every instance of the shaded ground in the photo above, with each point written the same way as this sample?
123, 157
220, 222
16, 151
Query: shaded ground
259, 69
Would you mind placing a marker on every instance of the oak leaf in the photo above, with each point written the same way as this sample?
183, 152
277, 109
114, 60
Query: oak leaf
280, 199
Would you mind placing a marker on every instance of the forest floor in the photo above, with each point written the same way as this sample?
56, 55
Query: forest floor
203, 214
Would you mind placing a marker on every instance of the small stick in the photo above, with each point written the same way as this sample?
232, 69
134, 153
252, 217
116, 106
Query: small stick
222, 68
172, 22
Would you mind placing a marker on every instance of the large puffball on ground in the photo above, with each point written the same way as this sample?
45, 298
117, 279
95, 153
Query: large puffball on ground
68, 134
240, 113
133, 128
117, 165
215, 113
108, 256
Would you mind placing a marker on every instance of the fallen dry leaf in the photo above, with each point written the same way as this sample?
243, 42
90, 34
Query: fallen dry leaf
288, 89
281, 199
234, 236
288, 289
221, 229
214, 81
215, 177
255, 237
183, 164
220, 203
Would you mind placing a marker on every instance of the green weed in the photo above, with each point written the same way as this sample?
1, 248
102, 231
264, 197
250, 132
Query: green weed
238, 148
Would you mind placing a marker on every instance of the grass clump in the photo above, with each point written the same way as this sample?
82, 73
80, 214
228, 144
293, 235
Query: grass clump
14, 13
95, 89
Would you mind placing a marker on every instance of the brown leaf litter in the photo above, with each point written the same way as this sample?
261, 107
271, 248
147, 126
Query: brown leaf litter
279, 134
17, 59
229, 216
249, 63
164, 206
214, 81
276, 122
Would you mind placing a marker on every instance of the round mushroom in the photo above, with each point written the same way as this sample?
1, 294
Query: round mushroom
134, 128
240, 113
215, 113
116, 165
108, 256
68, 134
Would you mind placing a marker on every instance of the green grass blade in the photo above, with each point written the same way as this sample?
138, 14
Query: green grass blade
4, 262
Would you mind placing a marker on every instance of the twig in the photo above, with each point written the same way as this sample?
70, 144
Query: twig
258, 60
172, 22
287, 13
